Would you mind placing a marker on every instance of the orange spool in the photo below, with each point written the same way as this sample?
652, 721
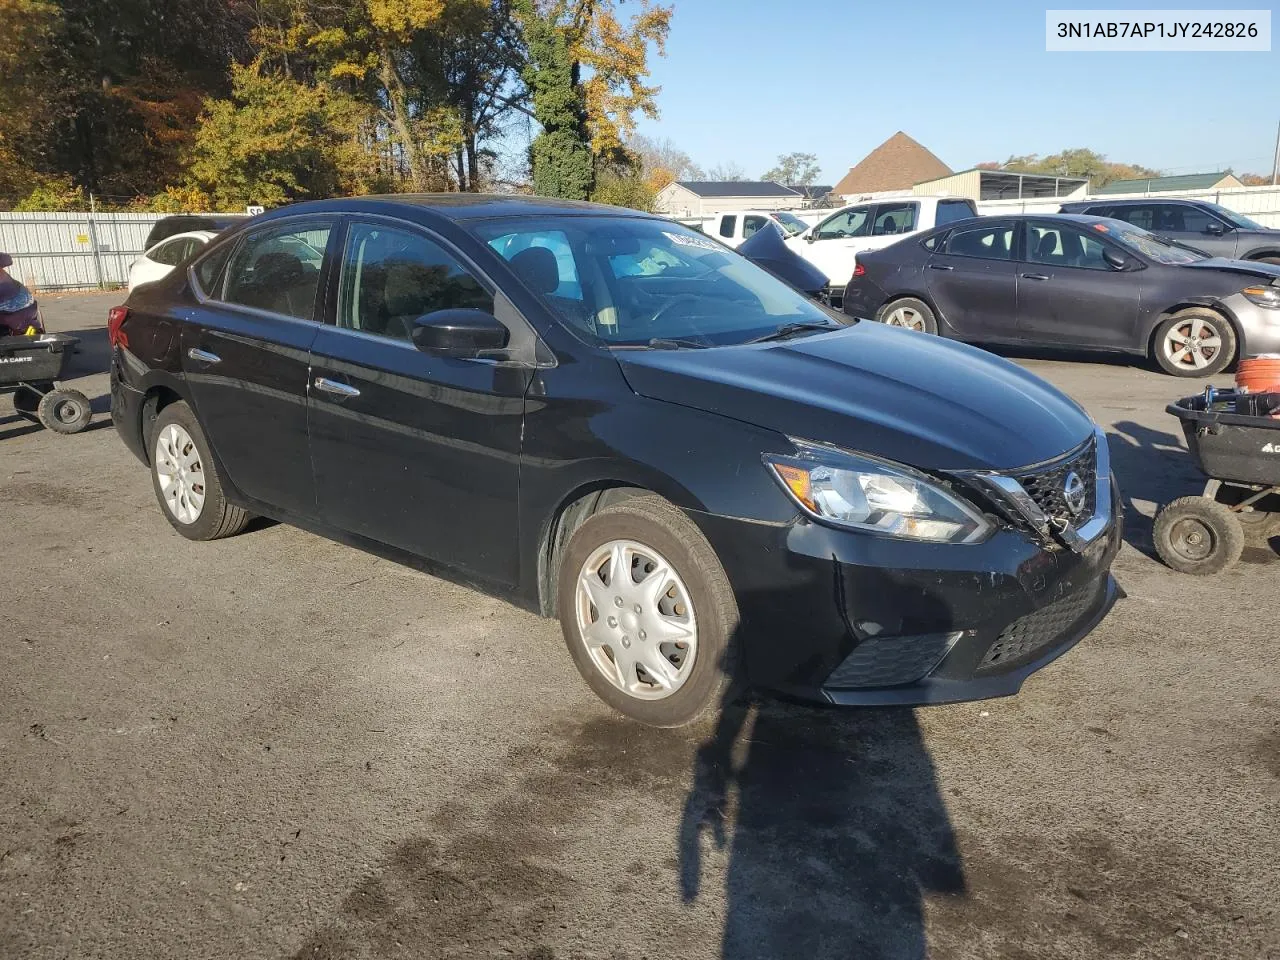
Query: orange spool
1259, 374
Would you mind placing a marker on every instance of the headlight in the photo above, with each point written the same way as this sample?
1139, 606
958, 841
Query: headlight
19, 301
1264, 296
863, 493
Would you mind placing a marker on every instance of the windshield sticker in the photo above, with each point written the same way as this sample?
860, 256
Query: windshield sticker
702, 243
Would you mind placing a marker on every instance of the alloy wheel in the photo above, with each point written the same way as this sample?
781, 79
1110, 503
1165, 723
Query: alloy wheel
636, 619
180, 473
1192, 344
905, 317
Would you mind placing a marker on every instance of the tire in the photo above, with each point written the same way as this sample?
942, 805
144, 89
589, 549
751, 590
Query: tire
1193, 360
1197, 535
192, 499
699, 609
909, 313
65, 411
26, 403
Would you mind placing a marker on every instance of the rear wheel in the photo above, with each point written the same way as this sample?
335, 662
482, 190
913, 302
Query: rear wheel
1194, 343
648, 614
186, 480
909, 313
1198, 535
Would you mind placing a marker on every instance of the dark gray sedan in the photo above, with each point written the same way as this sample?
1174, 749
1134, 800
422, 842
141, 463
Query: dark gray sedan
1073, 281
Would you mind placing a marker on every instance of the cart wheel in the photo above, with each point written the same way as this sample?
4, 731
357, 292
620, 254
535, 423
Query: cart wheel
26, 402
65, 411
1259, 524
1197, 535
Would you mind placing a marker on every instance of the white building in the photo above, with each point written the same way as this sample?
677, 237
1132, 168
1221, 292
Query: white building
702, 198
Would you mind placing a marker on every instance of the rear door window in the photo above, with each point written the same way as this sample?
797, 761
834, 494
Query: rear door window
1143, 216
277, 269
751, 224
894, 218
986, 243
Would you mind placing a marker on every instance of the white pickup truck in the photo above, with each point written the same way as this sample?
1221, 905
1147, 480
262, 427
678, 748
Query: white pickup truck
832, 243
731, 227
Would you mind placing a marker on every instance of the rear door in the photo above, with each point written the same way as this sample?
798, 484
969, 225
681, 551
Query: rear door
411, 449
245, 355
971, 278
1069, 294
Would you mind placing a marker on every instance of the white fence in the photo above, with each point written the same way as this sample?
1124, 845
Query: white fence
61, 251
1258, 203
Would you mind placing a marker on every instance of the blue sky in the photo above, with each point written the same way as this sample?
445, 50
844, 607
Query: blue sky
746, 80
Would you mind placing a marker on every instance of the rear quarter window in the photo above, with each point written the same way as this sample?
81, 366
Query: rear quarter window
208, 270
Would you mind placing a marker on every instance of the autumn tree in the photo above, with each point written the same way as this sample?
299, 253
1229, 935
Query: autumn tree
662, 162
1077, 162
727, 170
794, 169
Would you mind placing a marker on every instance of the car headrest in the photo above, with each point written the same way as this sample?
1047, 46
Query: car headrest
283, 269
1047, 245
537, 267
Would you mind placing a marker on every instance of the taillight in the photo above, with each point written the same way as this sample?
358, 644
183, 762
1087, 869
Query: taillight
116, 317
858, 270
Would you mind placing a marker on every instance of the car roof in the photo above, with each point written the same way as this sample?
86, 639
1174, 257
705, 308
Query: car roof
1131, 202
459, 206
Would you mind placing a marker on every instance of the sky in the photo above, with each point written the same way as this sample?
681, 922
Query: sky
746, 80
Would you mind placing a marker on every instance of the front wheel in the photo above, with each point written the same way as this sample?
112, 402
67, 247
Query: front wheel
908, 313
1195, 343
648, 614
186, 479
1198, 535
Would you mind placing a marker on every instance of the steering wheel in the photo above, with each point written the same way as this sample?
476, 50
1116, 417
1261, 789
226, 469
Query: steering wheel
671, 304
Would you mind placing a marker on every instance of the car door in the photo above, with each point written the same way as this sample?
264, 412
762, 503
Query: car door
1196, 227
971, 279
1069, 294
245, 356
415, 450
831, 245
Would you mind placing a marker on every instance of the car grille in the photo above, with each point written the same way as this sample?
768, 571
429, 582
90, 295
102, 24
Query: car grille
1047, 483
889, 661
1021, 640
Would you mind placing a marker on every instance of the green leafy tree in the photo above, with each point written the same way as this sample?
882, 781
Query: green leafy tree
1076, 162
561, 153
794, 170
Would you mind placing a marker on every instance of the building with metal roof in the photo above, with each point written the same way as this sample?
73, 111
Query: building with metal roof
1186, 181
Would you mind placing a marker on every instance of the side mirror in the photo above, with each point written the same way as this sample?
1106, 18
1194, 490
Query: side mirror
5, 261
1214, 228
463, 332
1115, 260
810, 237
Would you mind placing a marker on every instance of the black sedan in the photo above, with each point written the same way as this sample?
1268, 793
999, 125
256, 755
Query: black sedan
617, 421
1077, 281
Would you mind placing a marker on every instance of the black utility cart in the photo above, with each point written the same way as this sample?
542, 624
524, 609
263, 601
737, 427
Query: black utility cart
30, 368
1235, 440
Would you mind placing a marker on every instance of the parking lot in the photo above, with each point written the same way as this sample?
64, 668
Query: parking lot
274, 746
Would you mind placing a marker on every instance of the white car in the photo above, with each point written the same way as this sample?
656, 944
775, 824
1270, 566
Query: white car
731, 227
157, 262
833, 243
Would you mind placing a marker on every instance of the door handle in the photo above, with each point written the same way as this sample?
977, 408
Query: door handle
204, 356
342, 390
1034, 276
940, 266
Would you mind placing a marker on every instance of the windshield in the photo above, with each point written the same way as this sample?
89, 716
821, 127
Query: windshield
1147, 244
627, 281
790, 223
1239, 219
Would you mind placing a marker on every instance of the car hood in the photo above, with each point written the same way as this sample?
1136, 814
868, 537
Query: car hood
904, 396
1252, 268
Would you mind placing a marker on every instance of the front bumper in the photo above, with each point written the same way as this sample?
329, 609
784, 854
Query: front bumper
1259, 326
846, 618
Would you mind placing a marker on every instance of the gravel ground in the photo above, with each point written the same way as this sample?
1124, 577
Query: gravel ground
277, 746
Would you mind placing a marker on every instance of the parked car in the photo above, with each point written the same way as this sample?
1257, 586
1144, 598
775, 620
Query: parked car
833, 243
734, 226
617, 421
19, 313
1210, 228
167, 227
1073, 280
167, 254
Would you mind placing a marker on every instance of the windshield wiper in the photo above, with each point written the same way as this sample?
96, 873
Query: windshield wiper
670, 343
799, 326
